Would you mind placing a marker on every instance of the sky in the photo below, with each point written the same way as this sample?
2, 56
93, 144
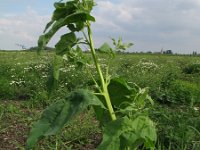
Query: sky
151, 25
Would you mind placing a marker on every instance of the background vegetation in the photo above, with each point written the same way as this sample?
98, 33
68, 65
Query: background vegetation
173, 81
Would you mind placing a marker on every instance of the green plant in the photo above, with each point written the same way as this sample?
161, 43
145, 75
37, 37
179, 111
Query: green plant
120, 107
192, 69
178, 127
1, 111
174, 91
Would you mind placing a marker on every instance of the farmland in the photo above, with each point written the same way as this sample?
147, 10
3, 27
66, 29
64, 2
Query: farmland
173, 82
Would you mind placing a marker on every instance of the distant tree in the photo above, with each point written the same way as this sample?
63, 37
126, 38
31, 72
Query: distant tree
149, 52
36, 48
168, 52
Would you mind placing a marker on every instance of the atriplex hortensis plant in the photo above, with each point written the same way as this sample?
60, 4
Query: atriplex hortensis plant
119, 107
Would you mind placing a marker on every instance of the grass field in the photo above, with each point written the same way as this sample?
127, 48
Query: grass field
173, 82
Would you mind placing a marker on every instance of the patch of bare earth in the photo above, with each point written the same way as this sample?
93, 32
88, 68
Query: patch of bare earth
13, 128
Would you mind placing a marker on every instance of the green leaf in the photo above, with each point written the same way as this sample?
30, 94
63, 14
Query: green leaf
72, 14
105, 48
142, 132
48, 25
125, 46
119, 92
66, 42
125, 98
111, 133
80, 17
143, 95
130, 139
129, 132
41, 127
86, 5
78, 26
74, 18
58, 114
54, 74
44, 39
121, 46
64, 9
51, 83
102, 115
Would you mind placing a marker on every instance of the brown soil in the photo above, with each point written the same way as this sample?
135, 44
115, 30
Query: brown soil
14, 128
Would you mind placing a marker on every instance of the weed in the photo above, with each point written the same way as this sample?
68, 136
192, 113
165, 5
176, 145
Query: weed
192, 69
128, 125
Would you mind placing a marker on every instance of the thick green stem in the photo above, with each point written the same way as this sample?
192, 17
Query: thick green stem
103, 84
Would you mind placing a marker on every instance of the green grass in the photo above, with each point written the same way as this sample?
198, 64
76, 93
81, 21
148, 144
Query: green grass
173, 81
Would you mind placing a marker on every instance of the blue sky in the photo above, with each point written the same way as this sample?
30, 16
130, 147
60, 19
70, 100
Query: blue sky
20, 6
150, 24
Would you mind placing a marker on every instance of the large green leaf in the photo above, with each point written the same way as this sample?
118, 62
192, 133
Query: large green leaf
80, 17
102, 115
58, 114
142, 132
120, 92
44, 39
54, 74
61, 11
78, 26
129, 132
48, 25
64, 9
122, 95
67, 41
73, 18
111, 133
72, 7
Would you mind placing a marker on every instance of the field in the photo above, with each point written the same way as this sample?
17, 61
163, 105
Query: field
173, 82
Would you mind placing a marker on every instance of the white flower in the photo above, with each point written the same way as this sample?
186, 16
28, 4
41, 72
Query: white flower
63, 70
65, 57
27, 68
12, 82
44, 76
196, 108
147, 65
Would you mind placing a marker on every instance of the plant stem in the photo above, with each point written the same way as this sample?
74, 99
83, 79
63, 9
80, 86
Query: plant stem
103, 84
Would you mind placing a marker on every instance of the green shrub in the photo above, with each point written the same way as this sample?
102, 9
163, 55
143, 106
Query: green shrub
6, 91
178, 127
179, 92
192, 68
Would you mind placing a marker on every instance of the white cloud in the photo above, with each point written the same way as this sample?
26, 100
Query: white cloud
21, 28
112, 19
151, 24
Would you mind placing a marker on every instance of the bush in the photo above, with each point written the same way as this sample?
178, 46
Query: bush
6, 91
177, 128
179, 92
192, 69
